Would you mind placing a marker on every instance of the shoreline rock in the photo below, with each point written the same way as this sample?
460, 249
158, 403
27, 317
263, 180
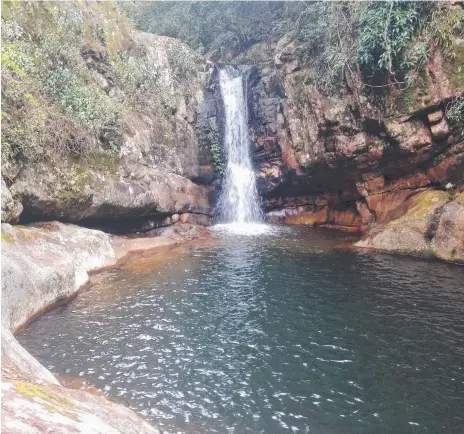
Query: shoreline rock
42, 265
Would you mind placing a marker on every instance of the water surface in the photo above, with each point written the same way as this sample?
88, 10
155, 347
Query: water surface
274, 333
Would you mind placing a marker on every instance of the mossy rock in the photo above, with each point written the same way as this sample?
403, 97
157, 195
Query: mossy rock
56, 403
7, 238
460, 198
416, 96
453, 66
420, 206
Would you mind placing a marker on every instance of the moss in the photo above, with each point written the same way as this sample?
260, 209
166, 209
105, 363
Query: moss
421, 205
453, 65
460, 199
415, 96
57, 404
7, 238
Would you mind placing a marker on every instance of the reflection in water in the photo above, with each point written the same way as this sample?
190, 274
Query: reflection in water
270, 334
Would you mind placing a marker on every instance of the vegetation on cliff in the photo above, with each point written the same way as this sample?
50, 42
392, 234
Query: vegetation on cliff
374, 46
216, 26
71, 73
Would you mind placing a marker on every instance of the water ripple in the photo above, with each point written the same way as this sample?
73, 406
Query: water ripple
271, 334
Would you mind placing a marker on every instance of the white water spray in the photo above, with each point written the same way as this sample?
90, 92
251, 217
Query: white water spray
239, 201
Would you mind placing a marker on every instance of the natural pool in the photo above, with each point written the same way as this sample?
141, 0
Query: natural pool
275, 333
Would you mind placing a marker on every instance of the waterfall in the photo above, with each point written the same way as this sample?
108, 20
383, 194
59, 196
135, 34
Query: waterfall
239, 201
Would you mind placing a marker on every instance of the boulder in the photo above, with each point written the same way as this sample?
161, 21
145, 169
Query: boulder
448, 240
430, 223
81, 192
11, 208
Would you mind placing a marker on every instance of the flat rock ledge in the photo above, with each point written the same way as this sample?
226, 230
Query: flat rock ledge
430, 224
42, 265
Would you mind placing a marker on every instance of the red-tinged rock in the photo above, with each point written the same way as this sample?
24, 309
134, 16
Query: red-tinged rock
387, 205
371, 184
350, 229
319, 216
435, 117
417, 180
431, 225
364, 212
440, 131
321, 200
449, 168
343, 217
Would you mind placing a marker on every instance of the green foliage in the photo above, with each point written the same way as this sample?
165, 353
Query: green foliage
215, 25
328, 48
216, 151
455, 110
9, 58
445, 25
182, 62
385, 32
144, 89
375, 44
52, 105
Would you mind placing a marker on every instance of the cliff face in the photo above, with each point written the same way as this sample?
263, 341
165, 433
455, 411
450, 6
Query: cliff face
336, 159
158, 170
341, 161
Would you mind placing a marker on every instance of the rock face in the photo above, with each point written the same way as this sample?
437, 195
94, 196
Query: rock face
43, 265
430, 223
29, 407
107, 195
339, 160
11, 209
161, 164
307, 142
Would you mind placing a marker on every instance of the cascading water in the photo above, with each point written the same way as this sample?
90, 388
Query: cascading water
239, 201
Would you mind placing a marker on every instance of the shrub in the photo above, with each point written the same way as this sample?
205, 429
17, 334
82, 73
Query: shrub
455, 110
51, 104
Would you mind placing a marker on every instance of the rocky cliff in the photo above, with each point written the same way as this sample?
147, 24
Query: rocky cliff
340, 160
352, 158
162, 167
